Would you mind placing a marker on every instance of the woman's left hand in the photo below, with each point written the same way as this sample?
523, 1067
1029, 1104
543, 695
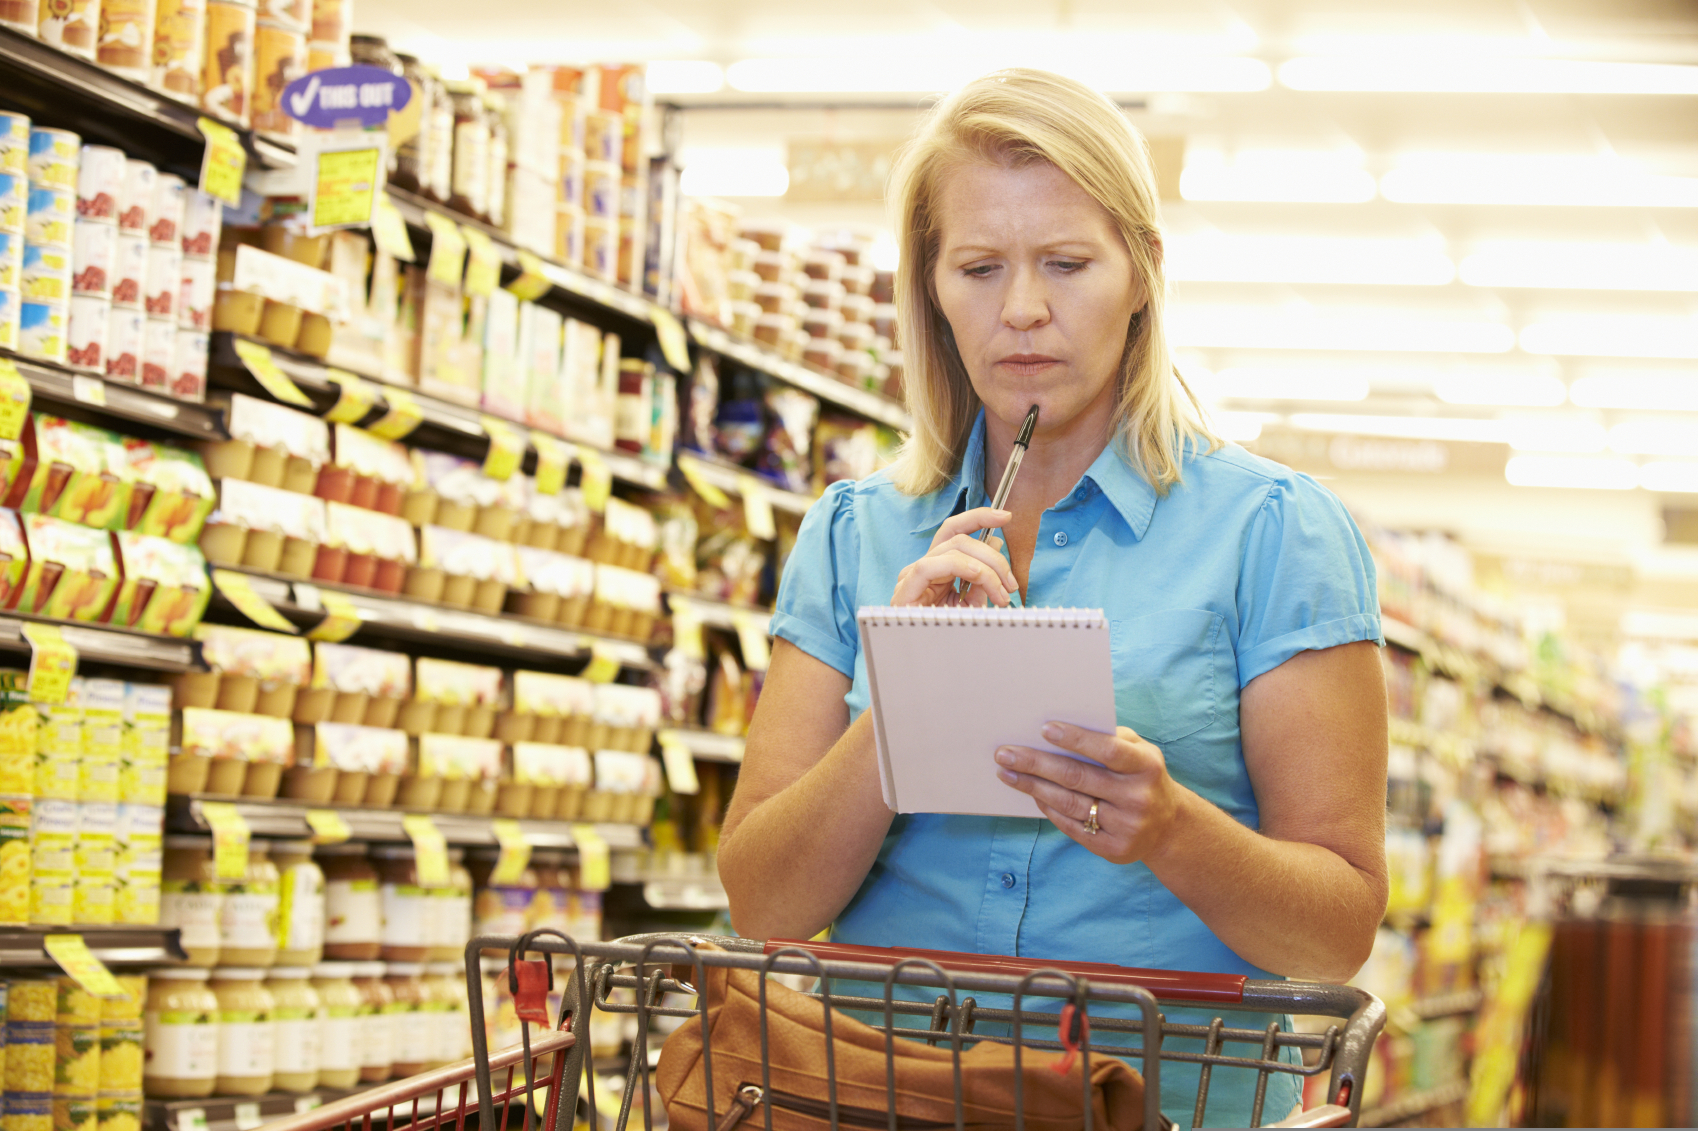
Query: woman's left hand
1136, 800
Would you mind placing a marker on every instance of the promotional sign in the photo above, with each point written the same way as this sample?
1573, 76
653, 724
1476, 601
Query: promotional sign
338, 95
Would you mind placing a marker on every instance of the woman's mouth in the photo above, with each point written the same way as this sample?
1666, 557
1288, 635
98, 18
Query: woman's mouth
1027, 364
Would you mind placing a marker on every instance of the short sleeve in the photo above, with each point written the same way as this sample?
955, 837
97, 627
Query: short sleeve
816, 594
1307, 580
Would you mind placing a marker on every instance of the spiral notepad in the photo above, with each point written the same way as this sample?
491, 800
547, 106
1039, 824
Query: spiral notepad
950, 685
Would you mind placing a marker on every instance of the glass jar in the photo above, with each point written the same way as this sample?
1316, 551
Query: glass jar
550, 906
246, 1031
500, 910
180, 1024
439, 184
296, 1020
447, 982
340, 1020
189, 896
373, 51
247, 922
415, 1029
300, 904
495, 110
412, 157
469, 190
452, 911
377, 1029
353, 906
406, 904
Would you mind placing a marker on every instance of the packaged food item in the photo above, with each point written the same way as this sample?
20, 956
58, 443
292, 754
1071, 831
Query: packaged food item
188, 371
235, 742
228, 79
53, 153
121, 1056
377, 1023
129, 271
72, 25
353, 905
135, 199
76, 1060
170, 199
181, 1033
164, 279
14, 202
50, 215
85, 333
118, 1112
300, 909
72, 571
195, 295
247, 1032
20, 15
94, 258
172, 494
191, 898
165, 586
81, 473
159, 349
297, 1021
341, 1006
45, 274
10, 315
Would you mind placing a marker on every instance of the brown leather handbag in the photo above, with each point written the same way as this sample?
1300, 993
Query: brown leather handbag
925, 1076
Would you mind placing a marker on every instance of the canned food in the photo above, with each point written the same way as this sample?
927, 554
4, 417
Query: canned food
293, 14
74, 1005
76, 1060
194, 300
332, 21
14, 143
32, 1000
188, 374
85, 337
159, 353
94, 899
41, 330
46, 274
100, 180
126, 37
604, 136
11, 259
31, 1065
601, 247
27, 1111
75, 1113
203, 216
601, 189
120, 1056
125, 329
94, 258
9, 314
228, 78
164, 279
280, 57
323, 56
178, 32
569, 236
166, 215
572, 178
14, 859
51, 897
14, 201
119, 1113
71, 25
129, 270
49, 215
53, 156
135, 201
21, 15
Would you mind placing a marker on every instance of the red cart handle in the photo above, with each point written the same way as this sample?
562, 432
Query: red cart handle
1171, 985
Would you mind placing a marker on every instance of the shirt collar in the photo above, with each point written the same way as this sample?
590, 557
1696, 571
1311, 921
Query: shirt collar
1126, 490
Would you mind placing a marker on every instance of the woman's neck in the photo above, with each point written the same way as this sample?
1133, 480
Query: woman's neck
1057, 458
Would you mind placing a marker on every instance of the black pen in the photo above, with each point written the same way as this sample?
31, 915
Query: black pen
1015, 455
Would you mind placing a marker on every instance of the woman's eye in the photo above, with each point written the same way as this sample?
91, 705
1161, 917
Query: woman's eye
1068, 265
980, 271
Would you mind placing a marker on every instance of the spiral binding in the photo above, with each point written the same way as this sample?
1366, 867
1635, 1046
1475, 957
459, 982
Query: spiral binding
914, 615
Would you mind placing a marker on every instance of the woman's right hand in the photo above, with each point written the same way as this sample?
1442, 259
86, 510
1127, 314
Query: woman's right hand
955, 553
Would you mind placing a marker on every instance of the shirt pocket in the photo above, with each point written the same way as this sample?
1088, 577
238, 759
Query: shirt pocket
1165, 667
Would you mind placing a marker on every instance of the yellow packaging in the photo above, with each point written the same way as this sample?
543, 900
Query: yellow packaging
76, 1060
97, 775
136, 902
141, 775
58, 771
125, 1008
31, 999
119, 1112
14, 860
74, 1113
28, 1113
51, 898
29, 1056
74, 1005
17, 750
93, 899
120, 1056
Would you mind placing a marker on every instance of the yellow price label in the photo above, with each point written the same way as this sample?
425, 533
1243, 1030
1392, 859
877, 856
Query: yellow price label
327, 826
597, 482
447, 249
14, 400
263, 366
239, 591
515, 852
403, 416
554, 456
390, 230
603, 666
224, 163
52, 662
345, 187
679, 762
429, 848
342, 621
696, 477
674, 343
752, 636
757, 508
506, 448
74, 958
594, 867
687, 628
533, 281
229, 839
355, 400
483, 264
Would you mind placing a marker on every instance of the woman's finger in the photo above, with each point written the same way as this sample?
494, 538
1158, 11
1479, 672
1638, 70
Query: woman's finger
941, 570
1122, 752
1053, 796
970, 522
1068, 773
967, 544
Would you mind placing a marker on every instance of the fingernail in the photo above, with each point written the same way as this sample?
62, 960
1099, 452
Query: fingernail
1004, 756
1008, 776
1054, 732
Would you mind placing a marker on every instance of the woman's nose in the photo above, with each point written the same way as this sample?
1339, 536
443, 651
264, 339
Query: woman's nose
1026, 305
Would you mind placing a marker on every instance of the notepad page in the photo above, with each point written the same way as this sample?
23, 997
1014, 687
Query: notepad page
951, 685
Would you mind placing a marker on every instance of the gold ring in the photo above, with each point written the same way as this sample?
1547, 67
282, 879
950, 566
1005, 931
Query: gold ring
1091, 825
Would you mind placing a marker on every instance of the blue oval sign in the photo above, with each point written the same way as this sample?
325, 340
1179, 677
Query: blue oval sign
326, 99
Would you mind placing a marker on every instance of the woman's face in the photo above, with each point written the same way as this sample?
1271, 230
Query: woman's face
1039, 290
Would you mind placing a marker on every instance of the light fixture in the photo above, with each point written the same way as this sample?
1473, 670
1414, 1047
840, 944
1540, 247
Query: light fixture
1580, 266
1608, 335
1240, 427
1468, 178
1256, 327
1481, 386
685, 76
928, 66
733, 171
1669, 476
1412, 73
1270, 383
1277, 176
1217, 258
1656, 624
1657, 392
1655, 438
1118, 73
1555, 434
1572, 471
1458, 429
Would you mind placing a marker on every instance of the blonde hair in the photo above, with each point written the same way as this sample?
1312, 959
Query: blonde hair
1019, 117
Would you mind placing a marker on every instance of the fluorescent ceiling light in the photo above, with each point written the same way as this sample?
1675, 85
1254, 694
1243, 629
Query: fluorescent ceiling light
1484, 387
1662, 625
1177, 75
1284, 259
1571, 471
1285, 384
1240, 427
1277, 176
1581, 266
1671, 477
1263, 328
733, 171
1555, 434
1668, 392
890, 70
1460, 429
685, 76
1463, 178
1603, 335
1447, 74
1655, 438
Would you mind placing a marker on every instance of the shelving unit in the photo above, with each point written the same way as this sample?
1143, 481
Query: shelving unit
80, 394
706, 746
115, 946
874, 406
729, 478
99, 644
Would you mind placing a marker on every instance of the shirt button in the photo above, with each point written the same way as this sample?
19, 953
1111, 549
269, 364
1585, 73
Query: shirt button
1082, 493
1008, 879
1061, 537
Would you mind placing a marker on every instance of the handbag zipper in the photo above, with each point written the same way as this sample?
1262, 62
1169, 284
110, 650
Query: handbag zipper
750, 1096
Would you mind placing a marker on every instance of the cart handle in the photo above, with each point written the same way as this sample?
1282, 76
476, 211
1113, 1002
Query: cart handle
1172, 985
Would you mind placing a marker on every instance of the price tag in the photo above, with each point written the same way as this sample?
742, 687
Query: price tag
327, 826
225, 161
356, 399
345, 187
431, 851
390, 230
673, 341
74, 958
687, 628
259, 362
483, 265
229, 839
603, 667
679, 762
506, 448
533, 281
554, 455
248, 1116
697, 478
89, 390
597, 482
752, 636
426, 620
191, 1119
342, 622
757, 508
403, 416
14, 400
304, 1104
515, 852
52, 662
594, 871
447, 249
239, 591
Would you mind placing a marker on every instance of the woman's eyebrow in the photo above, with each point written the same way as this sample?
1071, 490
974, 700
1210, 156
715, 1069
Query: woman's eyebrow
1076, 243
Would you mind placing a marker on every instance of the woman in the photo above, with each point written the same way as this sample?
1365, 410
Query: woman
1237, 822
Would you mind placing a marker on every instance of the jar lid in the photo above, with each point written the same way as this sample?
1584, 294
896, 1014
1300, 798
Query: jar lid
305, 844
393, 852
405, 969
345, 848
334, 970
237, 974
289, 972
184, 840
181, 973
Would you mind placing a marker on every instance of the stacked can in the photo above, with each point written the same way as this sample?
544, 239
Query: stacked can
14, 205
18, 727
44, 281
227, 74
102, 703
53, 821
71, 25
280, 57
94, 256
76, 1054
164, 280
203, 219
31, 1013
121, 1054
125, 333
141, 813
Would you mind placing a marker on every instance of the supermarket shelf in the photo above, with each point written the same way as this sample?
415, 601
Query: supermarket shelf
702, 894
96, 644
1447, 1005
708, 746
719, 614
1415, 1103
115, 946
104, 400
874, 406
289, 819
729, 478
